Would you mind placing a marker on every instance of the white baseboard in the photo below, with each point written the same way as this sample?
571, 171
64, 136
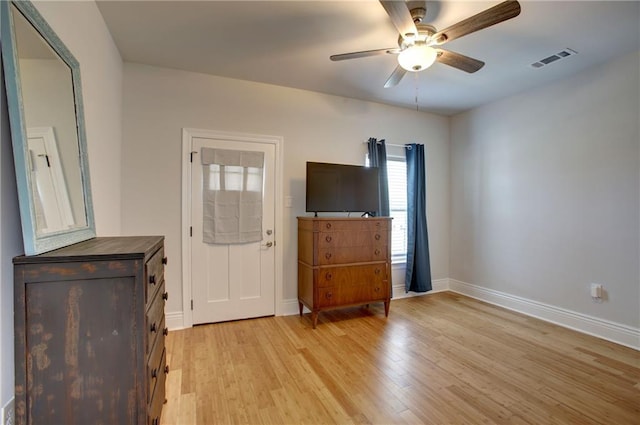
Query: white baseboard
8, 412
174, 320
290, 307
610, 331
438, 285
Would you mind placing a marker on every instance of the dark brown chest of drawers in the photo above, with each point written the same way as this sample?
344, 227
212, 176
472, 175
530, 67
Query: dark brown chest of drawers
89, 333
343, 262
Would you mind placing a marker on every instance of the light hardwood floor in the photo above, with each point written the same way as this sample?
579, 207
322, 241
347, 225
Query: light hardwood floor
437, 359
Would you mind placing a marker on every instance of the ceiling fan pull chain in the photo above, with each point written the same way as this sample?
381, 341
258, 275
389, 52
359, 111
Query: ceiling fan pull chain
417, 89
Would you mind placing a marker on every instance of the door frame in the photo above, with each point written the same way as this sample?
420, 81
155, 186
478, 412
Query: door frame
188, 134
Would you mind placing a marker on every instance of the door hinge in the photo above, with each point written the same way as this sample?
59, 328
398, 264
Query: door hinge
191, 304
190, 231
191, 155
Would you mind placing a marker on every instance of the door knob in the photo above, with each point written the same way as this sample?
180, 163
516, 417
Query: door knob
269, 244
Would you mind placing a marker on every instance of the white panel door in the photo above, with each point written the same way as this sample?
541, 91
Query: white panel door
233, 281
49, 188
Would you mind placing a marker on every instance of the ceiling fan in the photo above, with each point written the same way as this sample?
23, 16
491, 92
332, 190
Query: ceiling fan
418, 43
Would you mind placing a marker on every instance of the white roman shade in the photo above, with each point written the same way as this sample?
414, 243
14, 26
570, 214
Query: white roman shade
232, 196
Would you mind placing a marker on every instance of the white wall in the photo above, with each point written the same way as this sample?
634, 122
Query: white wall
159, 102
82, 29
545, 193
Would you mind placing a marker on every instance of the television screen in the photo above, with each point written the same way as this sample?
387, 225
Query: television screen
341, 188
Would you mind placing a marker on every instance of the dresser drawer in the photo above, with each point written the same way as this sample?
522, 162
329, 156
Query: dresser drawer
328, 256
155, 369
352, 275
370, 224
158, 391
351, 295
154, 356
154, 274
155, 318
362, 238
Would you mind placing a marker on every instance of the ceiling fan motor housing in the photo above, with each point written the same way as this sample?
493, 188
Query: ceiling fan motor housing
418, 14
425, 32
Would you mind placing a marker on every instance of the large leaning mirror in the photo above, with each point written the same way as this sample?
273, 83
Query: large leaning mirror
47, 130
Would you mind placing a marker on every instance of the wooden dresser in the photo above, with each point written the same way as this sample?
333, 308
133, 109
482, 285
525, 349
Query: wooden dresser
343, 262
90, 333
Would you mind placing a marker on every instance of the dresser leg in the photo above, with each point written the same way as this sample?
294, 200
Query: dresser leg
300, 306
314, 318
386, 308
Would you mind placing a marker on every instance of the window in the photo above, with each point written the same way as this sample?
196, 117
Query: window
397, 179
397, 182
235, 178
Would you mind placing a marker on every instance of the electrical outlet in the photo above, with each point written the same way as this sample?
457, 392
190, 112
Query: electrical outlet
596, 290
8, 413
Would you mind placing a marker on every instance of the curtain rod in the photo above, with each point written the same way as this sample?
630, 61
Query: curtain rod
390, 144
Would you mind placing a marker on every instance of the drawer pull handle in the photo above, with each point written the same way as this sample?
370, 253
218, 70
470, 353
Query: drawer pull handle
154, 373
164, 260
377, 289
328, 226
328, 295
328, 276
165, 296
377, 271
152, 279
327, 255
328, 238
377, 252
377, 236
153, 327
166, 369
165, 331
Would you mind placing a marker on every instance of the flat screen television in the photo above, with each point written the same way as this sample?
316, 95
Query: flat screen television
341, 188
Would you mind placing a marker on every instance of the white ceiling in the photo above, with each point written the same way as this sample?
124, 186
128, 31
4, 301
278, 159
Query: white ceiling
288, 43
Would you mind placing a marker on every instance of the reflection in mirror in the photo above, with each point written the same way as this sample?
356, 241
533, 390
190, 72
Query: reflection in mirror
47, 99
47, 130
48, 184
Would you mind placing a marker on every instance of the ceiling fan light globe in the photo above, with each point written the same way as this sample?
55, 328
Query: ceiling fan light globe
417, 58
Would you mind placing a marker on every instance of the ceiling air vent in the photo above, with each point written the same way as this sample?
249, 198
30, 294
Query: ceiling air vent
553, 58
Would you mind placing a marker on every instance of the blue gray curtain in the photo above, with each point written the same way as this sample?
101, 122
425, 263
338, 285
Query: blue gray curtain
418, 274
378, 158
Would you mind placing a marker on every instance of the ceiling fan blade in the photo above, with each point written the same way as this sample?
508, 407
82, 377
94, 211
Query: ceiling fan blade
499, 13
395, 77
459, 61
363, 54
401, 17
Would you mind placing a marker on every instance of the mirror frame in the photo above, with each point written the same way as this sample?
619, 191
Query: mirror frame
34, 243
